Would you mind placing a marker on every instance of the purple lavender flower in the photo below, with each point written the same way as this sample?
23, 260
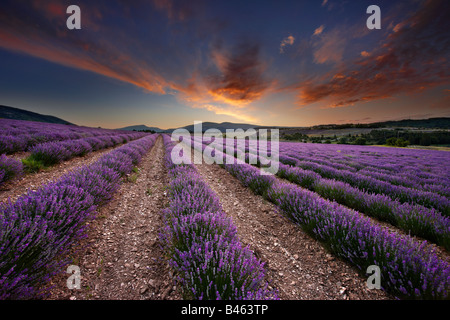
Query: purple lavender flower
9, 168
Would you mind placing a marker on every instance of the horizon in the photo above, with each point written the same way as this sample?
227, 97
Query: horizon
235, 123
167, 64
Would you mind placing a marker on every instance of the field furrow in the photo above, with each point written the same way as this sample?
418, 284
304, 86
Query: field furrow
121, 258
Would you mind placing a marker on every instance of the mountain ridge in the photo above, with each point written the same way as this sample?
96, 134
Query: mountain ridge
7, 112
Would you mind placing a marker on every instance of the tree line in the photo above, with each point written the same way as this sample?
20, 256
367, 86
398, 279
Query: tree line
397, 137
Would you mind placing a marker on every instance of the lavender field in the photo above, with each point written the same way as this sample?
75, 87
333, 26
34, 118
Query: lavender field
368, 205
225, 158
361, 206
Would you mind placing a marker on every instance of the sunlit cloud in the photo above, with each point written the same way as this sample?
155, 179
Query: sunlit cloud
319, 30
223, 110
286, 41
239, 79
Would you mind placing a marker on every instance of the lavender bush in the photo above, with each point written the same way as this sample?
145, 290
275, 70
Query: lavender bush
39, 228
9, 168
409, 269
49, 153
21, 135
202, 244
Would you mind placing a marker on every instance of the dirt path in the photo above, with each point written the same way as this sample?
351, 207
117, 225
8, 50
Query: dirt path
296, 264
124, 260
16, 187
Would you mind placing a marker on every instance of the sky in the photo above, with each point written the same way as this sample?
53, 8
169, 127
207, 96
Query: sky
168, 63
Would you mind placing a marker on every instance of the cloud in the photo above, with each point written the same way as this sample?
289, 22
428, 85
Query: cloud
224, 110
44, 35
233, 81
330, 46
365, 54
324, 3
239, 79
229, 87
411, 59
319, 30
286, 41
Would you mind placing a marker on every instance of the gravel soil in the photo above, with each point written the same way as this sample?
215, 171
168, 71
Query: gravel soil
121, 259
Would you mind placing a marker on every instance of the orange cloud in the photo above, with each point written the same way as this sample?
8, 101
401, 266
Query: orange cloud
221, 110
319, 30
286, 41
110, 66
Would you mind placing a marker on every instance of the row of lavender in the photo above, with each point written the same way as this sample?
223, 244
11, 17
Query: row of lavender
414, 219
437, 199
39, 228
426, 162
420, 169
50, 153
409, 268
21, 135
202, 244
413, 172
373, 185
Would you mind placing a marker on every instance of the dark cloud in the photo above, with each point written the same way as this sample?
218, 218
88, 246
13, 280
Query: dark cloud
240, 77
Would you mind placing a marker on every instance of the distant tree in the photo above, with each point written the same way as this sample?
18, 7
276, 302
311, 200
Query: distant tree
360, 141
402, 143
342, 140
391, 141
397, 142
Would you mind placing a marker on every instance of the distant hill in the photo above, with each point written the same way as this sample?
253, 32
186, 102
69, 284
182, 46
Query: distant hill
432, 123
141, 127
220, 126
20, 114
205, 126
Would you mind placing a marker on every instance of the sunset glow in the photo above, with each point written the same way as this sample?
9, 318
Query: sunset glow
167, 63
